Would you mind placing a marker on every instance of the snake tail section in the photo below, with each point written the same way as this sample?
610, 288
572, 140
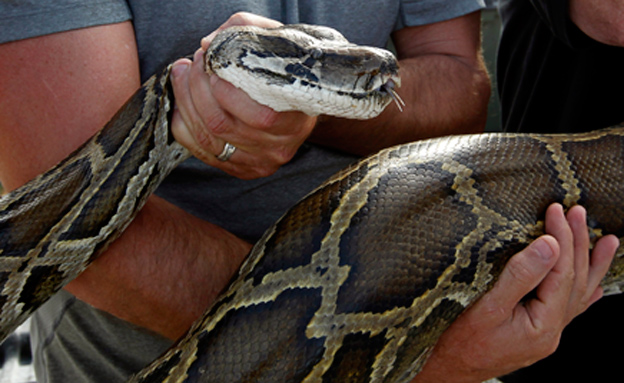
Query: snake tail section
54, 226
357, 281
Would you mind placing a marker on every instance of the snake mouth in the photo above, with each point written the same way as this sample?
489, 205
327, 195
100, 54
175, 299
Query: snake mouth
388, 89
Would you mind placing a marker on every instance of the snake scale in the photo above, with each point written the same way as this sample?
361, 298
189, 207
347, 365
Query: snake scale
358, 280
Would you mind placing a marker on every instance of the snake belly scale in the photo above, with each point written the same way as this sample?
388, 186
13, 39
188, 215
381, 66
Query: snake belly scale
353, 284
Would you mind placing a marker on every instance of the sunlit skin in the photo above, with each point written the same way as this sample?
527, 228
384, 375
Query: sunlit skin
169, 265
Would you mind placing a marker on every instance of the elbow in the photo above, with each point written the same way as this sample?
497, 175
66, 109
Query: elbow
475, 116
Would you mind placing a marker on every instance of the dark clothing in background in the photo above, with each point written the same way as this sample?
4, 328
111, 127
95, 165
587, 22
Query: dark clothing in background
554, 78
551, 76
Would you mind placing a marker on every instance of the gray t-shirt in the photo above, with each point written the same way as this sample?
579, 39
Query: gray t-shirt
73, 342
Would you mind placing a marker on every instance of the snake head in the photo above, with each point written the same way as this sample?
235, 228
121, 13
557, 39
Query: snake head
308, 68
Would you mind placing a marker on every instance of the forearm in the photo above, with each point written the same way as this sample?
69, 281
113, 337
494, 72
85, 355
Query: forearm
164, 271
58, 90
443, 96
444, 84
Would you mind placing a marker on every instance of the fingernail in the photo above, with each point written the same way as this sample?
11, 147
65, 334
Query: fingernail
199, 55
205, 42
213, 80
543, 249
179, 69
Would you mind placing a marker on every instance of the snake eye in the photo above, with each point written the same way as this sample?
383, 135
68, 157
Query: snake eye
316, 53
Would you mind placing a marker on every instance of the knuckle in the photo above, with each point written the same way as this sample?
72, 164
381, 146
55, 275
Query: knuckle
520, 272
566, 281
205, 157
239, 18
237, 173
584, 302
570, 275
216, 123
546, 342
266, 118
265, 171
262, 170
251, 173
550, 345
204, 140
283, 155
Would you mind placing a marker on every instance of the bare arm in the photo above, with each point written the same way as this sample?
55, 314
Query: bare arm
55, 92
601, 20
444, 84
58, 90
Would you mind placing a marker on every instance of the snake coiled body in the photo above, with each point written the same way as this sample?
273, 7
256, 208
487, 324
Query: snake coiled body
353, 284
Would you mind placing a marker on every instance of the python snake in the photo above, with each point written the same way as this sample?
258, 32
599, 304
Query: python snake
357, 281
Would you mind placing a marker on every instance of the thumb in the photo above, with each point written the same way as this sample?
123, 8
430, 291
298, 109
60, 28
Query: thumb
523, 273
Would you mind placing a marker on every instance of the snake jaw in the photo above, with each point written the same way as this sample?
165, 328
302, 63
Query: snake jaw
309, 69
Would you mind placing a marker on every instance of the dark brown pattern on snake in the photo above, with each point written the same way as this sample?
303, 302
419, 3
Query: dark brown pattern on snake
356, 282
361, 278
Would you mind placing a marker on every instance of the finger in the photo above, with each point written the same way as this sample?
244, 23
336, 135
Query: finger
187, 125
247, 166
255, 128
241, 18
556, 224
208, 126
578, 224
522, 274
186, 139
238, 103
550, 307
601, 258
257, 117
222, 113
559, 281
210, 118
206, 122
183, 116
577, 219
241, 164
231, 154
206, 136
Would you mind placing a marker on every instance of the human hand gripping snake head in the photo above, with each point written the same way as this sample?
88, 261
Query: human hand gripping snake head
359, 279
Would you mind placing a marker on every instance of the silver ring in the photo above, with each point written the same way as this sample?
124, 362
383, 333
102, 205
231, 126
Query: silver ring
227, 152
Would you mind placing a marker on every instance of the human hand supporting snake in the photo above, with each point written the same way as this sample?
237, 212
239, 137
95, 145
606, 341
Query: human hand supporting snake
212, 112
501, 333
525, 261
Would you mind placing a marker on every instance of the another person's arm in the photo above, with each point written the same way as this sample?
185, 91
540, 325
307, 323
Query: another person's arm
502, 333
